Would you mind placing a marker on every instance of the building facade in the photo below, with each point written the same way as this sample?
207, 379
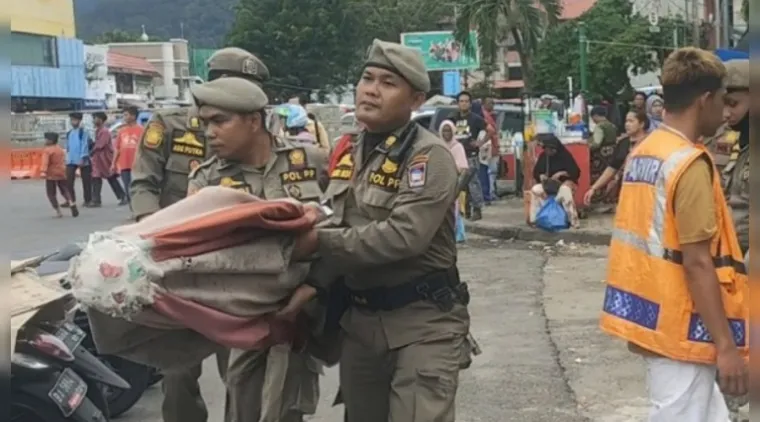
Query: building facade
172, 62
47, 61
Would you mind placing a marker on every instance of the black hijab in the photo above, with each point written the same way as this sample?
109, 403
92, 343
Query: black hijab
561, 161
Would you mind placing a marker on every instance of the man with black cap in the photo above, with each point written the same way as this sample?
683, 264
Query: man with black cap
391, 240
173, 144
278, 384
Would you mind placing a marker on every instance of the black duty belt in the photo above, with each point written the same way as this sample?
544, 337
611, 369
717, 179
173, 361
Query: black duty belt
441, 287
676, 257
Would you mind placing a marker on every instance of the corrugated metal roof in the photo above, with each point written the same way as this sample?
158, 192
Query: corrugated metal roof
124, 63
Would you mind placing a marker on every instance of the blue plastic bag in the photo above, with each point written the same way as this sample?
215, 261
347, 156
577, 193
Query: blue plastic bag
552, 217
460, 229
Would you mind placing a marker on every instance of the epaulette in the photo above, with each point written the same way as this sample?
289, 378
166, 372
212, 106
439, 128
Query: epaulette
282, 143
204, 165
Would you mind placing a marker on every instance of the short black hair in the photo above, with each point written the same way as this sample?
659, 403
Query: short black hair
640, 94
75, 115
600, 111
51, 136
132, 110
464, 93
100, 115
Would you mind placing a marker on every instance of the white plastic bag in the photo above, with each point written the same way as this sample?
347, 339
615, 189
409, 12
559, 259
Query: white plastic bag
114, 274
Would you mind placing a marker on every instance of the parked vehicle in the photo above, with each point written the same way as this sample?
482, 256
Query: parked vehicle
139, 377
53, 377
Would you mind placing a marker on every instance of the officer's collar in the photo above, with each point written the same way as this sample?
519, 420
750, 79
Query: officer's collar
392, 139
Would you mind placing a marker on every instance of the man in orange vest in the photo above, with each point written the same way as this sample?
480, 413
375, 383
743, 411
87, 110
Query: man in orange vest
676, 281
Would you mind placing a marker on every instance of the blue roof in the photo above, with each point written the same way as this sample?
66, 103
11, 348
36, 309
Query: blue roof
727, 55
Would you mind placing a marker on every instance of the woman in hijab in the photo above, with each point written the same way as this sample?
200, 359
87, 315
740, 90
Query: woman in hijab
446, 131
555, 166
655, 107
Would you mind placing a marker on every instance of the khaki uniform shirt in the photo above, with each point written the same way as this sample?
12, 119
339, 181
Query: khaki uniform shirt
292, 171
720, 147
738, 197
173, 143
393, 222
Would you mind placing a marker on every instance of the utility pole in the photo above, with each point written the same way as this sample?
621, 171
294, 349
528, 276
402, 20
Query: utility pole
726, 22
583, 45
696, 28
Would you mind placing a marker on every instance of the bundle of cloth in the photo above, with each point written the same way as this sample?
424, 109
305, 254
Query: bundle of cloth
205, 273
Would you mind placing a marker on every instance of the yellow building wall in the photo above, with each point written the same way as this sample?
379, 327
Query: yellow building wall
43, 17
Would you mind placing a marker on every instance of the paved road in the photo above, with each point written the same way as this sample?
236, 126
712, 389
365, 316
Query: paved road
534, 311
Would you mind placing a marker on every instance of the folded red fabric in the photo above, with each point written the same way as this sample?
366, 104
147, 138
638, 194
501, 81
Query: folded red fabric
227, 227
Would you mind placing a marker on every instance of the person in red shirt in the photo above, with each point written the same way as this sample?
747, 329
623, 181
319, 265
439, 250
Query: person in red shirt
126, 146
53, 170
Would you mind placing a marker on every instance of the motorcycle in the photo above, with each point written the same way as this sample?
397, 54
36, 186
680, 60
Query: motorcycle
139, 377
53, 378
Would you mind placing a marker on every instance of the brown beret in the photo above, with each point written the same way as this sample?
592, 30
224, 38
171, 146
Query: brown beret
737, 74
405, 61
239, 61
232, 94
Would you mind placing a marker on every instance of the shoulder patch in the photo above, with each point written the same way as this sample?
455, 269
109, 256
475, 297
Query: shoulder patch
297, 158
154, 135
417, 173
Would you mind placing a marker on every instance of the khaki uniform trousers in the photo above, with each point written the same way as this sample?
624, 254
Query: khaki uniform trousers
274, 385
414, 383
182, 393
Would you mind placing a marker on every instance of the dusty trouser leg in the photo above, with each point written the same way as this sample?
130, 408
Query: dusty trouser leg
245, 382
366, 371
300, 393
474, 189
182, 393
424, 385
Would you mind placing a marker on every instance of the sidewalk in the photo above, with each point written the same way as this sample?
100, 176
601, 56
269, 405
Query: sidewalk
506, 219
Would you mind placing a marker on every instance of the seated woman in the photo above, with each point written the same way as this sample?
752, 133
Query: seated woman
636, 129
555, 163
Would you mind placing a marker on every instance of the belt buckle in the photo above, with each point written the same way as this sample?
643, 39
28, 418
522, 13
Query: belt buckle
423, 289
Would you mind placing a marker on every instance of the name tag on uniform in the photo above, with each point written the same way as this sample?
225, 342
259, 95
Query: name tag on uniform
187, 143
386, 176
308, 174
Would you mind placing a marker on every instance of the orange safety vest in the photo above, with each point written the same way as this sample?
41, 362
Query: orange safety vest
647, 301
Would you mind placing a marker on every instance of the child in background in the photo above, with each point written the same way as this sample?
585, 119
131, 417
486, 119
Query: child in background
54, 172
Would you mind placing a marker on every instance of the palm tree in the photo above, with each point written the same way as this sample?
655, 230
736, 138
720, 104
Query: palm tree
523, 22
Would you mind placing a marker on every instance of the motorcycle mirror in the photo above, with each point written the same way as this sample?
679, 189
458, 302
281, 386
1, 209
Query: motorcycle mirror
65, 253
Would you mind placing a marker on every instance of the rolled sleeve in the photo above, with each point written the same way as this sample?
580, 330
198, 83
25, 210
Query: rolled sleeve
417, 215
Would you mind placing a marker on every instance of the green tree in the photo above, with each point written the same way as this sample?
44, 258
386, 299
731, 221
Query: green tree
115, 36
306, 44
521, 22
619, 42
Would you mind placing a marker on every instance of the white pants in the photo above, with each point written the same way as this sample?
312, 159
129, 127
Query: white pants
684, 392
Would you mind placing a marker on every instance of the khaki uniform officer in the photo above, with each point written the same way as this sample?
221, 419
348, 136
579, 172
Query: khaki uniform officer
172, 145
393, 243
276, 385
737, 101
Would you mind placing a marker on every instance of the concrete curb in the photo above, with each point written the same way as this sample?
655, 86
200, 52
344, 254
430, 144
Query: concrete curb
507, 231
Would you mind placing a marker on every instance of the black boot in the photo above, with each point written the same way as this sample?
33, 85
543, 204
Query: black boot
476, 214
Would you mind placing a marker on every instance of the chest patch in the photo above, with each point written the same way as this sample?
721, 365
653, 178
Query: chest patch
308, 174
344, 169
188, 143
236, 182
385, 177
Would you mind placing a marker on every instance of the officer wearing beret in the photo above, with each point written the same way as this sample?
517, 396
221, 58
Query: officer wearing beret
172, 144
391, 242
736, 114
249, 158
